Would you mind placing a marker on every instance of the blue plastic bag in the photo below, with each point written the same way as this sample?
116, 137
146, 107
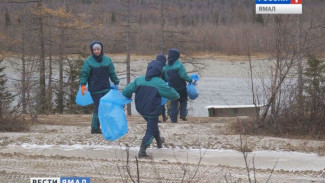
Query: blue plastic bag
192, 91
111, 115
191, 88
112, 86
84, 100
163, 99
195, 77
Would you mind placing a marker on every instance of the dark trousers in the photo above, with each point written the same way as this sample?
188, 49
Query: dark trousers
151, 132
183, 106
163, 111
95, 121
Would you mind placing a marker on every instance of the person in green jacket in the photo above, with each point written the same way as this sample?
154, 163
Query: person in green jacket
148, 91
97, 70
176, 76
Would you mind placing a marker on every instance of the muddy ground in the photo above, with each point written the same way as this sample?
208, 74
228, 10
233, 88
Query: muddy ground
201, 149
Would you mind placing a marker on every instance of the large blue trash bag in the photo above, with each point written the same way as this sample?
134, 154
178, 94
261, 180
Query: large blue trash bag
191, 88
111, 115
84, 100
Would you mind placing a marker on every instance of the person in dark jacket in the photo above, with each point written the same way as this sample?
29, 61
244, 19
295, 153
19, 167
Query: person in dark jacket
148, 91
175, 74
162, 59
97, 70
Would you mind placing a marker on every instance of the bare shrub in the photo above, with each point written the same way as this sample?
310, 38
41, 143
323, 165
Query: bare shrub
9, 116
14, 125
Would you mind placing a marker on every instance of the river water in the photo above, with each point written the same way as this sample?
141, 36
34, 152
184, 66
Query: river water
221, 83
218, 91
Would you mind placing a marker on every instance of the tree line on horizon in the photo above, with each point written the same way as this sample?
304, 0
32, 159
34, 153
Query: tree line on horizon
195, 26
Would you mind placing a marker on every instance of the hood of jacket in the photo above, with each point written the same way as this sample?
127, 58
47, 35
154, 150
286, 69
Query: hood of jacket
100, 57
154, 69
173, 55
161, 58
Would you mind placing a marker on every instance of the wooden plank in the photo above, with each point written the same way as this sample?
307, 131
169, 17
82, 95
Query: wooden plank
232, 110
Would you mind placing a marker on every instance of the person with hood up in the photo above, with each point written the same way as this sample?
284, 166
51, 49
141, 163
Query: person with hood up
176, 76
148, 91
97, 70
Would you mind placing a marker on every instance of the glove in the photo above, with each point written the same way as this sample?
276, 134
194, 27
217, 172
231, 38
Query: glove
83, 89
193, 82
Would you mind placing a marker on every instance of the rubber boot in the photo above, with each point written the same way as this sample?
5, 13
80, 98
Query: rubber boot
98, 131
95, 125
184, 118
142, 152
165, 118
160, 141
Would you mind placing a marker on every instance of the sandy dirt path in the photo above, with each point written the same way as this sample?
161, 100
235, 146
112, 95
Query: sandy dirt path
61, 145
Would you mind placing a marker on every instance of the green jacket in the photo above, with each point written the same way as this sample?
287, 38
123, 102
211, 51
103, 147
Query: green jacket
148, 95
98, 74
176, 75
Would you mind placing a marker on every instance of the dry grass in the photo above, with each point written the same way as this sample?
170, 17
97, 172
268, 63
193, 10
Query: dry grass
284, 129
15, 125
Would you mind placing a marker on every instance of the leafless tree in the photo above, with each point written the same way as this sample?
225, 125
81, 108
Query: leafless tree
42, 86
23, 61
285, 56
126, 24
